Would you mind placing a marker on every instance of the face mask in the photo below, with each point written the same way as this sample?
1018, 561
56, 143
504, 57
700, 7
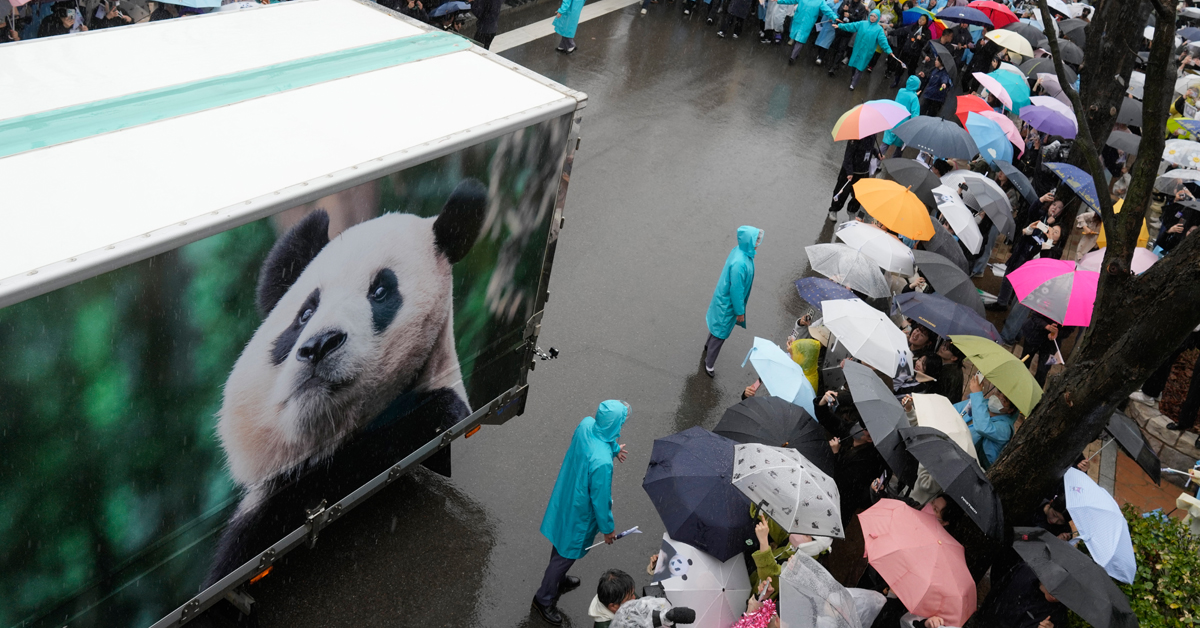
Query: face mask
995, 405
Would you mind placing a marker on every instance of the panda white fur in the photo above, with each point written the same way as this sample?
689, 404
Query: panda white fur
357, 336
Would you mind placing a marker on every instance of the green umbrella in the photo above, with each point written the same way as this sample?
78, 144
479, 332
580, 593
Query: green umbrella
1003, 369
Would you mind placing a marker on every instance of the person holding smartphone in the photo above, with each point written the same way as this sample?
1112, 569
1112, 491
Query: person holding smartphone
108, 15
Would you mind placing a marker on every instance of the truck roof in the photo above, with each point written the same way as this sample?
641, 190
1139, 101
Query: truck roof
122, 143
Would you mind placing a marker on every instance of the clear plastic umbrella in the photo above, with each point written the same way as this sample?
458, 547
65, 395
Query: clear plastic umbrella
848, 267
883, 248
959, 216
810, 597
716, 590
1101, 525
869, 335
992, 198
1169, 182
789, 488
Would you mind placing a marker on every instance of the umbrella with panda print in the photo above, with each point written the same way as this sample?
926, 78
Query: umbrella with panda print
789, 488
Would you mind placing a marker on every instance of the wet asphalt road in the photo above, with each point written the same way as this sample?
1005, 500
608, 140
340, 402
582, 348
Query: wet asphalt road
685, 137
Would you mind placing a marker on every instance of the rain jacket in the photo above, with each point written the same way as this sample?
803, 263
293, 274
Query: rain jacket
733, 287
569, 21
869, 35
806, 17
989, 433
933, 89
909, 96
825, 37
581, 505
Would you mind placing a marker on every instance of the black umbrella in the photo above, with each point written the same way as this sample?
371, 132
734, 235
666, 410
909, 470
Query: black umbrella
772, 421
946, 57
1018, 179
1069, 52
1125, 430
1032, 34
1075, 29
1074, 579
949, 280
690, 483
943, 316
1131, 112
965, 15
1045, 65
937, 136
883, 416
916, 176
959, 476
1124, 140
945, 245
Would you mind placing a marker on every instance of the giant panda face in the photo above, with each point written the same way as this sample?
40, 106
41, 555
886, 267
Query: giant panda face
352, 324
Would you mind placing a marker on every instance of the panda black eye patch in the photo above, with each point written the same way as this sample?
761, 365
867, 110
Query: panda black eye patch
384, 297
282, 347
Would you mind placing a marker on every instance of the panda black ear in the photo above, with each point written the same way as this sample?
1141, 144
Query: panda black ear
289, 257
457, 227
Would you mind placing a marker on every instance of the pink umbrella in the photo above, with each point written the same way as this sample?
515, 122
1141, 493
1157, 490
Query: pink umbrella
1054, 288
994, 88
1010, 129
1143, 259
922, 563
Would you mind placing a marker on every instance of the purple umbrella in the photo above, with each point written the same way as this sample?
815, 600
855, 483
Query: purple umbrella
1049, 121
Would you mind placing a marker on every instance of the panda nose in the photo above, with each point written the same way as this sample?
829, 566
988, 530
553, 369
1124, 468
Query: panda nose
320, 345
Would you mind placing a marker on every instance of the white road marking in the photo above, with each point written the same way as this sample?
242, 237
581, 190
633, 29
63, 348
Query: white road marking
538, 30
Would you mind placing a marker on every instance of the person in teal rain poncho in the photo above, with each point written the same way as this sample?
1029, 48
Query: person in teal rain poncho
910, 97
566, 20
990, 420
581, 504
804, 20
728, 305
869, 34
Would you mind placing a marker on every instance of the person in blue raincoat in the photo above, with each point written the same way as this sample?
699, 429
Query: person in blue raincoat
581, 504
827, 33
910, 97
804, 20
728, 305
566, 20
990, 420
869, 35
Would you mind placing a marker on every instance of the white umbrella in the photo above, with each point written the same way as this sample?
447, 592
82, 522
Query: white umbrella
1182, 153
1186, 81
1101, 525
960, 217
883, 248
1055, 104
848, 267
810, 597
1137, 83
1060, 6
868, 335
789, 489
781, 375
937, 412
1008, 67
716, 590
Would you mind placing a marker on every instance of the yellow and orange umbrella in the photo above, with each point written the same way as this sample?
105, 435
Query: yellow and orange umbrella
895, 207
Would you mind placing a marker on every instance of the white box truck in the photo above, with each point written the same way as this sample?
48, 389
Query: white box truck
254, 266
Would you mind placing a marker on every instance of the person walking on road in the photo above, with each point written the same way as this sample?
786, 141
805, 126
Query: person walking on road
856, 164
566, 20
728, 305
804, 20
581, 504
868, 35
487, 16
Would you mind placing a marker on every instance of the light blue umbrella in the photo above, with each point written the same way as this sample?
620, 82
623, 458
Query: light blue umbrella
781, 375
1101, 525
1016, 86
990, 138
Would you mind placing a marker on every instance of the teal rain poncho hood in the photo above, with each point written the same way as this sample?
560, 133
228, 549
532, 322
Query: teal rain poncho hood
581, 505
910, 97
733, 286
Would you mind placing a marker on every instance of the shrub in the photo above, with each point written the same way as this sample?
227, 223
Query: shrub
1166, 591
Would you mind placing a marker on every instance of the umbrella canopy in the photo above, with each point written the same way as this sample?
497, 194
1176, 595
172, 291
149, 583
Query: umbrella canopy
817, 289
944, 244
1049, 121
1130, 438
717, 590
1078, 582
990, 138
775, 422
689, 482
1185, 83
1182, 153
895, 207
1130, 112
1018, 179
943, 316
1011, 41
1044, 65
449, 7
948, 280
992, 199
1137, 84
914, 175
781, 375
1060, 7
966, 103
1009, 88
1055, 104
1079, 181
1074, 29
1010, 129
848, 267
1032, 34
1053, 89
800, 497
938, 137
920, 561
881, 247
1189, 125
1002, 369
1000, 15
936, 412
1067, 298
960, 217
959, 475
1170, 181
868, 335
809, 596
869, 118
1069, 52
1101, 525
1143, 259
947, 58
883, 417
966, 15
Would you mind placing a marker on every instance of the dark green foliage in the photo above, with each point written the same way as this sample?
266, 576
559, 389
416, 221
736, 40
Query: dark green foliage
1166, 591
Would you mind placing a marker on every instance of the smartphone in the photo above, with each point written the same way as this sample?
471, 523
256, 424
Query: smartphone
979, 376
763, 588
